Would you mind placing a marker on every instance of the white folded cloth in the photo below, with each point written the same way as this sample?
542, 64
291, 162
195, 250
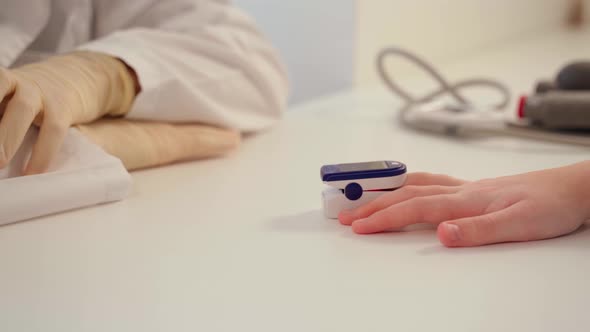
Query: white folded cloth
81, 175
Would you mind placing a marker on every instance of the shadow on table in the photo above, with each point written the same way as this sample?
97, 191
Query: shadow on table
310, 221
421, 234
315, 221
578, 240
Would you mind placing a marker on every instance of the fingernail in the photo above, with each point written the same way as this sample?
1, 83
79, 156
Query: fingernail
452, 231
28, 170
346, 213
3, 161
359, 222
25, 169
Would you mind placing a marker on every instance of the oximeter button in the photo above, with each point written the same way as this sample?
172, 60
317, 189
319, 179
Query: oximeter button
353, 191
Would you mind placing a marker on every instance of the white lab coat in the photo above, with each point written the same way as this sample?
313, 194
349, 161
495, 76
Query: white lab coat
197, 60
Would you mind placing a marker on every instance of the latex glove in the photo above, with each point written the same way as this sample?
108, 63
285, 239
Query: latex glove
149, 144
531, 206
54, 94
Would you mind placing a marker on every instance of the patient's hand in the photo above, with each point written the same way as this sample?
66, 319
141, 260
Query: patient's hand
148, 144
524, 207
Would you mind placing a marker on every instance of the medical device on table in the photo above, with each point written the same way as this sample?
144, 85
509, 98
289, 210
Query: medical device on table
560, 105
355, 184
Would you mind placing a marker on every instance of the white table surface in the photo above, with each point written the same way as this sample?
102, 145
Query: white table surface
240, 244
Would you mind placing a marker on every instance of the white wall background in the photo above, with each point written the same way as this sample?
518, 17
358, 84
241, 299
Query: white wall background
316, 39
330, 45
446, 30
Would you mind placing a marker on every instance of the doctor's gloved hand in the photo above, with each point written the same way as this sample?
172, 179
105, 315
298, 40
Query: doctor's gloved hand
75, 88
524, 207
149, 144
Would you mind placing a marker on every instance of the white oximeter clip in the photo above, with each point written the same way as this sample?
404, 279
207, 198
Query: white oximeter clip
355, 184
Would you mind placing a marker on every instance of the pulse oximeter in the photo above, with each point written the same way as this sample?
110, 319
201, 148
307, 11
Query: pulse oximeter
355, 184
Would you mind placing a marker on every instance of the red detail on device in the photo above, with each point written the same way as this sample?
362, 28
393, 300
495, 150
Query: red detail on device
521, 105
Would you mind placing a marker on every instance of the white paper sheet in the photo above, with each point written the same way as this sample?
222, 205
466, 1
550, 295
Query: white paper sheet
82, 175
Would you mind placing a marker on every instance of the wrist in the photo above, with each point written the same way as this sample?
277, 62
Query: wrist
118, 81
581, 185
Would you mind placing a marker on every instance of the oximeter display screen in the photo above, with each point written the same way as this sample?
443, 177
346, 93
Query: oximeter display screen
366, 170
370, 166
